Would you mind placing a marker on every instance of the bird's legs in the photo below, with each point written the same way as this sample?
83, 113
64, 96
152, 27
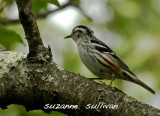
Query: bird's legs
100, 80
113, 75
112, 79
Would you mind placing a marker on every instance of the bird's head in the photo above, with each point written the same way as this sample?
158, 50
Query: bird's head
80, 32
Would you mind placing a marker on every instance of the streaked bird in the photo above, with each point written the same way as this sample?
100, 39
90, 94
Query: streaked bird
100, 59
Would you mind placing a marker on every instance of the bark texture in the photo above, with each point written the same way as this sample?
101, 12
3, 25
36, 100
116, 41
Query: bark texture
37, 51
34, 85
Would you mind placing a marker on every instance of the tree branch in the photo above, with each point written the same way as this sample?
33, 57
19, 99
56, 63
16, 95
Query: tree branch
42, 15
35, 85
37, 51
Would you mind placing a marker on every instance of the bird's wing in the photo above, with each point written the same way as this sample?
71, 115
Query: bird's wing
121, 63
100, 46
109, 56
103, 48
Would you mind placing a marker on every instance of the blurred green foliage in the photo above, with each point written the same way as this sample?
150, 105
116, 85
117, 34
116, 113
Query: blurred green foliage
18, 110
39, 6
71, 62
132, 16
137, 22
9, 38
55, 2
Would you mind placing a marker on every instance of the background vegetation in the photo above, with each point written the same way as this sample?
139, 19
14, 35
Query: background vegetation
130, 27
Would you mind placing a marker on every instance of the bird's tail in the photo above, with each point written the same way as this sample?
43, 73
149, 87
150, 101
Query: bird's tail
131, 77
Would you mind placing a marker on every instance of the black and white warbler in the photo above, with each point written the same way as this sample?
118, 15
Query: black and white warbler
100, 59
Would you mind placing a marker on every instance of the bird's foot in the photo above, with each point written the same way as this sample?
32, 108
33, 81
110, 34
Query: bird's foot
103, 83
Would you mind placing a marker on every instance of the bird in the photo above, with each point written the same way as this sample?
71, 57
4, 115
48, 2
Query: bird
100, 59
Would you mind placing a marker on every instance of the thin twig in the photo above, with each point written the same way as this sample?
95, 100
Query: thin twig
4, 4
42, 15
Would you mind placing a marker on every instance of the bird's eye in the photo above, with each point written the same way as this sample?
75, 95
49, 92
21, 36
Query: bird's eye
78, 35
92, 32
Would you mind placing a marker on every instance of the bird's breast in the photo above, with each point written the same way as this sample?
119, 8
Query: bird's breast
88, 58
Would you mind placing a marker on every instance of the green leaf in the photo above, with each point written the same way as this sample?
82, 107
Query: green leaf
38, 6
55, 113
55, 2
77, 2
9, 38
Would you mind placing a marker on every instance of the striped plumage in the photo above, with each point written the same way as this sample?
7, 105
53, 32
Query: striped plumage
100, 59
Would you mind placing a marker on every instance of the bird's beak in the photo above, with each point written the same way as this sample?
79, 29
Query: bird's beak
69, 36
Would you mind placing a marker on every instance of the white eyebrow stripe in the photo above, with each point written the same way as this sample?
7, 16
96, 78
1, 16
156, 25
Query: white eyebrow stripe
79, 29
